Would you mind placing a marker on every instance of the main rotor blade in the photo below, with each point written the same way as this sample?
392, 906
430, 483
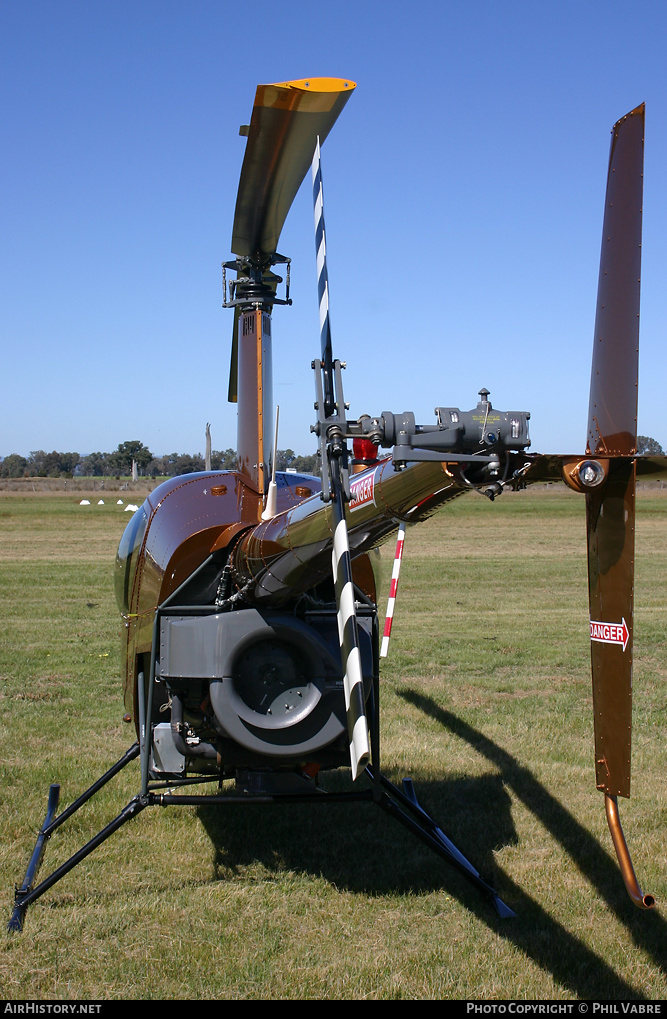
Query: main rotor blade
286, 120
612, 432
610, 525
612, 414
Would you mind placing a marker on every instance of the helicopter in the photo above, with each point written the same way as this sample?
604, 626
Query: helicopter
249, 598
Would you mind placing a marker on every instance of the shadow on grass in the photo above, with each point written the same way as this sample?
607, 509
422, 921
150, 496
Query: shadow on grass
648, 928
356, 846
353, 845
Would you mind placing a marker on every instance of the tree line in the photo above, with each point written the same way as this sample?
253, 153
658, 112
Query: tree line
119, 463
40, 464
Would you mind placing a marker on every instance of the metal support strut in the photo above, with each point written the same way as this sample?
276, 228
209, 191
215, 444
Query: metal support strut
26, 894
403, 806
426, 829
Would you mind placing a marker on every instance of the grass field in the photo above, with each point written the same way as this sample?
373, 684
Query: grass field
485, 703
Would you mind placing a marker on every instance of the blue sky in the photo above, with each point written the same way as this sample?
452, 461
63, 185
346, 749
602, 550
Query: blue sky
464, 187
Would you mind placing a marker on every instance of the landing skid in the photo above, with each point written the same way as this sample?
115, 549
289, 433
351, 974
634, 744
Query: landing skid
399, 804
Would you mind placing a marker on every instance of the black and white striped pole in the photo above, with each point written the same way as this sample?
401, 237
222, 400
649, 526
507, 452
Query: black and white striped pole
348, 634
322, 284
331, 408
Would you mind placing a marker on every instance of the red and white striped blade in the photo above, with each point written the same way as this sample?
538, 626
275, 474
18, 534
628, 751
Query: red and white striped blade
393, 590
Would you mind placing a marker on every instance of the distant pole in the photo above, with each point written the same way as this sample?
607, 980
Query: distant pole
208, 447
135, 475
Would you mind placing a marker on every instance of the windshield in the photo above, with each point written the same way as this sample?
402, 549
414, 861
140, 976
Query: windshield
127, 556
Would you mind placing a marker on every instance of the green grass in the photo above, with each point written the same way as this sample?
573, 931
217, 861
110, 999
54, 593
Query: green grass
485, 703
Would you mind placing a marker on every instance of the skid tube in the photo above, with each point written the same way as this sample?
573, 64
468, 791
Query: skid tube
427, 830
27, 892
403, 806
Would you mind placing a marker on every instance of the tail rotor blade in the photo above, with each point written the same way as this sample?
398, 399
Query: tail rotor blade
322, 280
348, 631
612, 415
357, 725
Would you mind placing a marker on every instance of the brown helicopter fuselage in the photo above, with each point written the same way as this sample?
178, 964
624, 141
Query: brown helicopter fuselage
187, 519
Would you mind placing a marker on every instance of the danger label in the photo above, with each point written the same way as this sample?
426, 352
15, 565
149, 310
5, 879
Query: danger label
362, 491
610, 633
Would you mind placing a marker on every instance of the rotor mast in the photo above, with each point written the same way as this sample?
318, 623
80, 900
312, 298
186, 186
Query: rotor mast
255, 380
253, 300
